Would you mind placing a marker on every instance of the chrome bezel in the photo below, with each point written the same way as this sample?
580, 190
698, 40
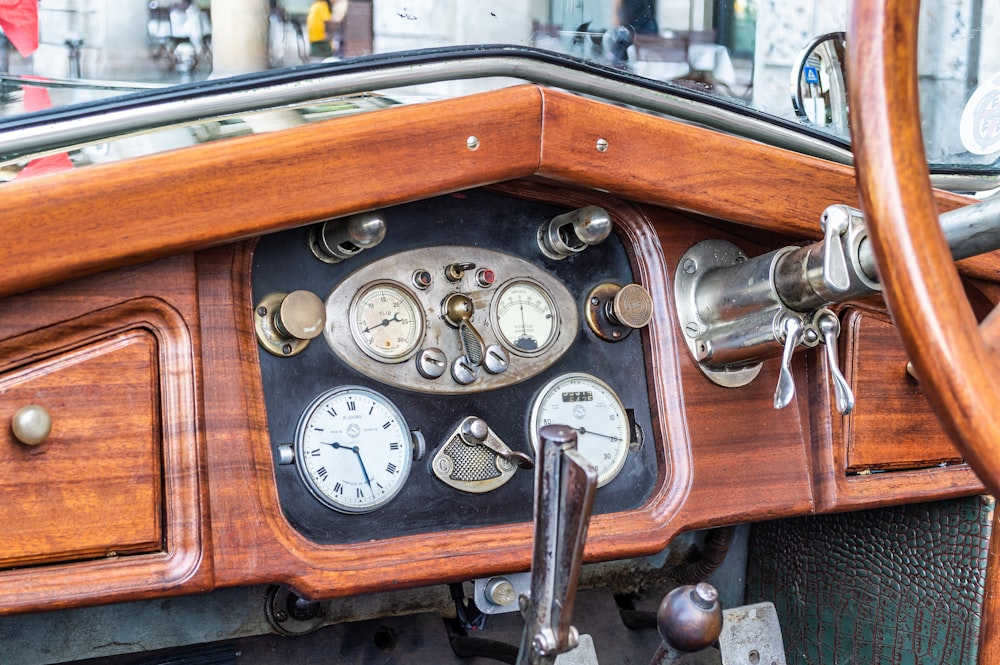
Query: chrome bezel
546, 392
411, 346
495, 316
314, 488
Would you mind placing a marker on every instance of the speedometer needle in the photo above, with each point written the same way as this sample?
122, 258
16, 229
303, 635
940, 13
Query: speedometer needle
385, 322
584, 430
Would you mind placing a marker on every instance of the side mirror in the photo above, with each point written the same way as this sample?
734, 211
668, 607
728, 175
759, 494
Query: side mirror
818, 86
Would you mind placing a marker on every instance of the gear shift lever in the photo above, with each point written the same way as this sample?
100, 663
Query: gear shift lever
565, 484
689, 620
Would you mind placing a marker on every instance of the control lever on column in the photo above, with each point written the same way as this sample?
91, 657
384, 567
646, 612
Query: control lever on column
829, 327
565, 484
689, 620
793, 332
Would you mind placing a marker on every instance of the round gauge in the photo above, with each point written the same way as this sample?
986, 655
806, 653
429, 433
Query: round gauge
589, 406
353, 449
386, 321
525, 317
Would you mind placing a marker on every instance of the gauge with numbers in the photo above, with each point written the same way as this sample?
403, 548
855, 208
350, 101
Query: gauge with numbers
591, 408
353, 449
386, 321
525, 318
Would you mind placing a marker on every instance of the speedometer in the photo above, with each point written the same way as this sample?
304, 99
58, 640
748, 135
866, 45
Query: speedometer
591, 408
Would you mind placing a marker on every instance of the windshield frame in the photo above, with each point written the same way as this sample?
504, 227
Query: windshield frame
67, 127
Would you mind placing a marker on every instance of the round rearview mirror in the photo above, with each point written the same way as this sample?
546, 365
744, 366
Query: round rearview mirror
819, 92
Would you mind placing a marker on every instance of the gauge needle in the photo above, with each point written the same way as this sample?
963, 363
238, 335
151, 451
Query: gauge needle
357, 452
385, 322
364, 472
584, 430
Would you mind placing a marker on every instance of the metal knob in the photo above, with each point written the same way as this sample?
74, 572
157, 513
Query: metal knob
339, 239
474, 431
285, 322
572, 232
458, 309
632, 306
690, 617
31, 425
300, 315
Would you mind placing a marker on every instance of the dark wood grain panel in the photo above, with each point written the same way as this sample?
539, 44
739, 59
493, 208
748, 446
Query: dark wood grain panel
93, 487
152, 311
892, 425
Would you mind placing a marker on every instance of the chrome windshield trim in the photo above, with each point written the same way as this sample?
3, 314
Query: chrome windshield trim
83, 128
225, 98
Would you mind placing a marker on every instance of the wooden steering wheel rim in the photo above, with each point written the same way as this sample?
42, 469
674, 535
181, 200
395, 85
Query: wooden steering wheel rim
957, 370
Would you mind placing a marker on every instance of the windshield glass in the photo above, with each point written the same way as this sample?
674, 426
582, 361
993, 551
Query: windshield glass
780, 58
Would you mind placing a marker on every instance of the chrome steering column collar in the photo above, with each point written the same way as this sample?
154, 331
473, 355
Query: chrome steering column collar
736, 312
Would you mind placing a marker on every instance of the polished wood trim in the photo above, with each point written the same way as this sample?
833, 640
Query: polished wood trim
247, 518
93, 487
100, 217
76, 223
83, 313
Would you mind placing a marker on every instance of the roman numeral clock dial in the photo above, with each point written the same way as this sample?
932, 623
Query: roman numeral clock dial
353, 449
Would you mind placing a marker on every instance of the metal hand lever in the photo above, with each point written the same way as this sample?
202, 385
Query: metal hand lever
565, 484
829, 327
836, 273
458, 309
793, 331
475, 432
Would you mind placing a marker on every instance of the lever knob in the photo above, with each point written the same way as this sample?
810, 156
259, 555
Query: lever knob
690, 617
572, 232
300, 315
339, 239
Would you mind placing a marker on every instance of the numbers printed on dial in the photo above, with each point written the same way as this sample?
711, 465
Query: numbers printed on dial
386, 322
594, 411
353, 449
525, 317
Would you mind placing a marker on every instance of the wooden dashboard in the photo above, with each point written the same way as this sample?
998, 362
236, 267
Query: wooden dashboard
127, 305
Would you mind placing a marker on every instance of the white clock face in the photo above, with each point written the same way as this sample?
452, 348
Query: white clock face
591, 408
353, 449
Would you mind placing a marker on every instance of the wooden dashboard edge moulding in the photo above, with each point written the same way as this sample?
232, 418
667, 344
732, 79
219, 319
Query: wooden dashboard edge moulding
248, 520
179, 555
327, 169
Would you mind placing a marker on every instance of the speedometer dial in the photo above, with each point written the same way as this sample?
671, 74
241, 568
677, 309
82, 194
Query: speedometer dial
591, 408
386, 321
525, 317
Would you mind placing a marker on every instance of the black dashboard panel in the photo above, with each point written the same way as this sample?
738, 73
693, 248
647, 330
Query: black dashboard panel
284, 262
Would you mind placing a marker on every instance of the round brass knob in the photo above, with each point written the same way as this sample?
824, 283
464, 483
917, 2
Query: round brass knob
31, 425
301, 315
632, 306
